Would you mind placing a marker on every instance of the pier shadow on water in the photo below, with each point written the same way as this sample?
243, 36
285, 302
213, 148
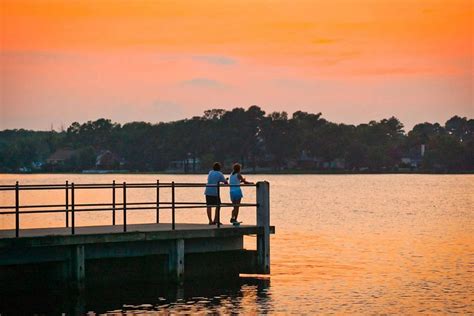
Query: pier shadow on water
220, 294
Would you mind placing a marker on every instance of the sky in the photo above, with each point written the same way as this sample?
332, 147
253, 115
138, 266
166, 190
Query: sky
141, 60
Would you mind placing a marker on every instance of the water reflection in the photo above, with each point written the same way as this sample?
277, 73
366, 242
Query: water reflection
241, 296
348, 244
222, 296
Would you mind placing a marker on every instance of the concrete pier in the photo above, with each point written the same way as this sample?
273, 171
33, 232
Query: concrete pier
187, 242
188, 251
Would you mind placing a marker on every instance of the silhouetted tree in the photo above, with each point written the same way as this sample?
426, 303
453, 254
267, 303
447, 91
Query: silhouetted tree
250, 137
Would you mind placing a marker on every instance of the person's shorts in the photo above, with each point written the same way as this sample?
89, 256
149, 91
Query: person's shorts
236, 195
212, 200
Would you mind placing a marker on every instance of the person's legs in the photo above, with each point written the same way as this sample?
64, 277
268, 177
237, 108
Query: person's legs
210, 200
209, 215
216, 219
235, 211
218, 210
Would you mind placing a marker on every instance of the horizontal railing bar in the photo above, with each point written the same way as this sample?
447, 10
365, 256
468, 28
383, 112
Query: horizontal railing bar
108, 204
36, 185
31, 188
138, 183
98, 204
132, 208
109, 186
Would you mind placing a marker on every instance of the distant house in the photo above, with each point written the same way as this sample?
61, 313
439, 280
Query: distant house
107, 160
37, 165
414, 157
338, 163
305, 161
60, 156
185, 165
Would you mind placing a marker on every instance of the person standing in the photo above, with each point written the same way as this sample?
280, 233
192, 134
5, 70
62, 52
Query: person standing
235, 191
214, 177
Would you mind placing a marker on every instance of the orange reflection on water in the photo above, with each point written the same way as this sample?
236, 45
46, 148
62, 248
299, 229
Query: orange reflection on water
344, 244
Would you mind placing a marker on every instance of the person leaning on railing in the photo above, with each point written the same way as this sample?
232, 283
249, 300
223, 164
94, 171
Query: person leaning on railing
214, 177
235, 179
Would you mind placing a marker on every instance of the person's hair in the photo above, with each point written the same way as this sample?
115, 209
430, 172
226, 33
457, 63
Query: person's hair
216, 166
236, 168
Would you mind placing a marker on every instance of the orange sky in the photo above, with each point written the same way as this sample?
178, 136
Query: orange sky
355, 61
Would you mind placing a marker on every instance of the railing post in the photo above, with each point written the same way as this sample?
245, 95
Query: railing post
157, 201
218, 208
72, 209
172, 207
124, 207
67, 204
263, 220
113, 202
17, 210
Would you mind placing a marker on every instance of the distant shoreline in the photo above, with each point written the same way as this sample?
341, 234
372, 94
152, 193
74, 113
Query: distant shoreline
289, 172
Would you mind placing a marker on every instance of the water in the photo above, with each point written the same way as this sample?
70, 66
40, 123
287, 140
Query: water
344, 244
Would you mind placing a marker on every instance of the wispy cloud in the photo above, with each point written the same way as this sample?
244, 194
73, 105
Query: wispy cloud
203, 83
215, 59
36, 55
396, 71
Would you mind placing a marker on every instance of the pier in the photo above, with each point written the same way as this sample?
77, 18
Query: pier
169, 251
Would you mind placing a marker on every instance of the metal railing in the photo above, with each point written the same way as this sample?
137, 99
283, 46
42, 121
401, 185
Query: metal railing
70, 207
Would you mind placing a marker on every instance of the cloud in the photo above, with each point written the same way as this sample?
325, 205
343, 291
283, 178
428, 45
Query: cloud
216, 60
203, 83
404, 71
36, 55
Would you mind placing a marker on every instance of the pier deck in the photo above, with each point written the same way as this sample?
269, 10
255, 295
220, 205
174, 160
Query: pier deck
132, 228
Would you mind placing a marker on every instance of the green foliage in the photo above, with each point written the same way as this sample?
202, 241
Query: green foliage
251, 137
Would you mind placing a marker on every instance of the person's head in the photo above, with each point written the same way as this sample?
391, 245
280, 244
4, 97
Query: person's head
236, 168
216, 166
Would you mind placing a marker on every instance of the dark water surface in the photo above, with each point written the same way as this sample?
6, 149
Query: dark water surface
350, 244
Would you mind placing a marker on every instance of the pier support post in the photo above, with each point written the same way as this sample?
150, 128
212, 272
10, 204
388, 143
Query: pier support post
263, 220
77, 268
176, 260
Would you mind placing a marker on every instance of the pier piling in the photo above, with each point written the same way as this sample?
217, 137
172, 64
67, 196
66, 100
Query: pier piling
263, 220
176, 260
76, 267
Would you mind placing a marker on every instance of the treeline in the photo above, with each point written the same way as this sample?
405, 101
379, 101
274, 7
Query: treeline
258, 140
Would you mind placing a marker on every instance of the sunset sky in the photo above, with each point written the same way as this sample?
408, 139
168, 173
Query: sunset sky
143, 60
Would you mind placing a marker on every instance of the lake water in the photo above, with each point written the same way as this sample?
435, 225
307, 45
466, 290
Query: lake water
346, 244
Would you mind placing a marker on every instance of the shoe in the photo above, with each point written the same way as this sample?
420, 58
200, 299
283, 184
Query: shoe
232, 220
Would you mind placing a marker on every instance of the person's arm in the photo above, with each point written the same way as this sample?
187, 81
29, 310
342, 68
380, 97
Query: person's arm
242, 180
223, 180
